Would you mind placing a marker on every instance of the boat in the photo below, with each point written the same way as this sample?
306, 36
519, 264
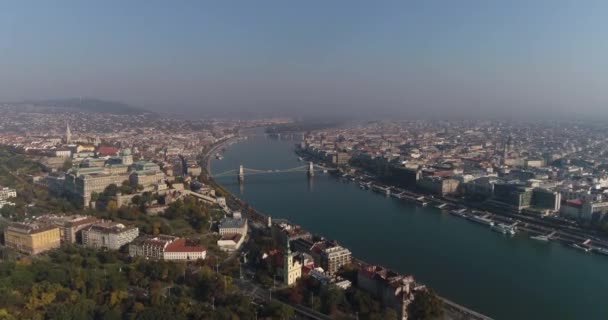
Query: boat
600, 250
580, 247
504, 229
441, 206
481, 220
460, 213
396, 195
540, 238
300, 159
420, 201
379, 189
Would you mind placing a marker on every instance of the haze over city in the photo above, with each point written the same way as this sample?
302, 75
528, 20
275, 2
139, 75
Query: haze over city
485, 59
303, 160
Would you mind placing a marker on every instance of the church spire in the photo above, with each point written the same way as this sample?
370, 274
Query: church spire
68, 133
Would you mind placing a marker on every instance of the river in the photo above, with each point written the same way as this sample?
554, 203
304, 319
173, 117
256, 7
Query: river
502, 277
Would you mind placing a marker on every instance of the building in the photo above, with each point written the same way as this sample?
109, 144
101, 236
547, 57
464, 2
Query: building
233, 226
69, 226
405, 177
546, 199
147, 178
340, 158
126, 157
282, 231
63, 153
392, 289
7, 193
230, 241
52, 164
482, 187
108, 234
82, 182
194, 170
32, 238
513, 195
439, 185
85, 148
330, 256
535, 163
594, 210
107, 151
68, 133
292, 268
164, 247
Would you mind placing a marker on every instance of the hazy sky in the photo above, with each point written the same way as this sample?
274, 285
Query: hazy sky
408, 57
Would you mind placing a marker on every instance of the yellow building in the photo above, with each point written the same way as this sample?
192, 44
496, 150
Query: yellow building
32, 238
85, 148
292, 269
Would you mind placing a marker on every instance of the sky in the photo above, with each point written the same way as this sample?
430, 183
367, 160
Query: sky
404, 58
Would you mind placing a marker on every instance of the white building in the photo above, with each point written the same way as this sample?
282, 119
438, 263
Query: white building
6, 193
108, 234
230, 242
166, 248
233, 226
63, 153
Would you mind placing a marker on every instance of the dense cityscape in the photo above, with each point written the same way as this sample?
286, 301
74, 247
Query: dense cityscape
316, 160
140, 190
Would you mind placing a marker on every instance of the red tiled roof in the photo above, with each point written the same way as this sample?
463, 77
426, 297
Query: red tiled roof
182, 245
107, 151
575, 203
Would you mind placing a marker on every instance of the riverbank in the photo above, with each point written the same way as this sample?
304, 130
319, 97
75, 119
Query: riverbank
552, 229
452, 309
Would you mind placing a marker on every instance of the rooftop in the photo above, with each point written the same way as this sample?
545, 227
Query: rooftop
229, 223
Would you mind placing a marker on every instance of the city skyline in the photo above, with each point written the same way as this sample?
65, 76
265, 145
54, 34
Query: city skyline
401, 59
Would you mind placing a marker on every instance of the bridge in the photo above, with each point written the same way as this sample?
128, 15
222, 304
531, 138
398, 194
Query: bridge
240, 173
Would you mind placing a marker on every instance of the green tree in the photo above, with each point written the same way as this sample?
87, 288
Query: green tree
278, 310
67, 165
426, 305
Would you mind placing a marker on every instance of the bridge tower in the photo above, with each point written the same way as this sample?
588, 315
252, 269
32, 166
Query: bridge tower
311, 169
241, 176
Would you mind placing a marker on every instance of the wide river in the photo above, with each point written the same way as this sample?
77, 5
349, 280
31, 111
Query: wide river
502, 277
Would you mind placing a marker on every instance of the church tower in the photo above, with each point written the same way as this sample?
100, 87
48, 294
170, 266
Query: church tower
68, 133
292, 270
126, 157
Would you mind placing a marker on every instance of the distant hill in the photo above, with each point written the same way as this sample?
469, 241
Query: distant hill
88, 105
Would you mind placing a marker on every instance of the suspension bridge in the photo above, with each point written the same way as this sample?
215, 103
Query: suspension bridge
242, 171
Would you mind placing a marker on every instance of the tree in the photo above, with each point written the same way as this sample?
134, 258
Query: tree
137, 200
112, 207
110, 191
5, 315
67, 165
426, 305
94, 196
331, 297
278, 310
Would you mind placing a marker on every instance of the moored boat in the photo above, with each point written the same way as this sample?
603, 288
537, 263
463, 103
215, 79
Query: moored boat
540, 238
580, 247
481, 220
504, 229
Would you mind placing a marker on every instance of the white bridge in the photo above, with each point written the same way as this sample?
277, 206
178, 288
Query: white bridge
242, 171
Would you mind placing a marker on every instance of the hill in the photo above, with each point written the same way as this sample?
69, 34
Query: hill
87, 105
